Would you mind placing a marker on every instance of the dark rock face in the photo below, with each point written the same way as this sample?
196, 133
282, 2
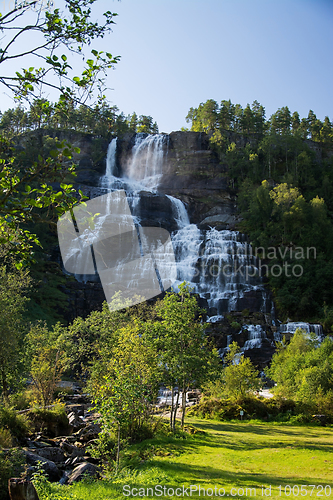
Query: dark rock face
234, 328
156, 210
191, 172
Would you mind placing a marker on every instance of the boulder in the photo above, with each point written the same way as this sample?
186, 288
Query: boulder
49, 467
88, 433
72, 450
21, 489
81, 471
75, 421
51, 453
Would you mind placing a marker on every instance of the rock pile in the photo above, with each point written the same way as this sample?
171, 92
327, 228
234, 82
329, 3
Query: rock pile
66, 458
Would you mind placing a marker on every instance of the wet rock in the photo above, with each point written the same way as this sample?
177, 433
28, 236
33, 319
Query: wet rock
76, 408
75, 421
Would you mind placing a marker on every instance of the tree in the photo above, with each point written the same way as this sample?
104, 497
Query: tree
129, 374
45, 348
13, 286
240, 376
45, 38
303, 369
26, 191
184, 351
145, 125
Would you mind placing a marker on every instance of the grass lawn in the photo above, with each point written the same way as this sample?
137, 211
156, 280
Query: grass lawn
244, 459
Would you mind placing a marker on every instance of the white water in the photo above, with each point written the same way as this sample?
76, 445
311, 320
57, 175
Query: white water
144, 169
292, 326
217, 264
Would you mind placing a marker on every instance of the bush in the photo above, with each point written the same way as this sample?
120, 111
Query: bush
22, 400
280, 410
217, 409
11, 465
53, 422
18, 425
5, 438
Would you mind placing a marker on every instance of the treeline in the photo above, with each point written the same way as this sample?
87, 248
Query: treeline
282, 148
211, 117
281, 170
102, 120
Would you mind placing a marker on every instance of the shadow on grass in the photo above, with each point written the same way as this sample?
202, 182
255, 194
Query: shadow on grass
206, 475
221, 435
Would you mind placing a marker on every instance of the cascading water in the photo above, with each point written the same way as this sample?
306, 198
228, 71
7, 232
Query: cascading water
218, 265
292, 326
145, 166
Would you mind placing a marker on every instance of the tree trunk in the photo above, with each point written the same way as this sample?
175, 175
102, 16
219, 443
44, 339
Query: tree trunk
171, 410
183, 407
118, 449
175, 413
4, 385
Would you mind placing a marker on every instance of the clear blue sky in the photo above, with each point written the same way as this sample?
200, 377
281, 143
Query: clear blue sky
178, 53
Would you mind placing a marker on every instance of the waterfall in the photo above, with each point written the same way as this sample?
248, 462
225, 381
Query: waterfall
292, 326
179, 212
218, 265
256, 334
144, 169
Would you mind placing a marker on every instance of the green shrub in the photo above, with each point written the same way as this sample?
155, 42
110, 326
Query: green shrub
104, 447
18, 425
5, 438
280, 410
22, 400
217, 409
235, 325
11, 465
53, 421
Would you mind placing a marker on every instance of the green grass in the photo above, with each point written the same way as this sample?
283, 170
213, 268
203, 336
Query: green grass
226, 455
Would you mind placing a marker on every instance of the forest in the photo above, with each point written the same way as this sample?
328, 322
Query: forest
281, 171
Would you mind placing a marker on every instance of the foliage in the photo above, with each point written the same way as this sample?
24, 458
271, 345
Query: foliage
240, 376
26, 188
50, 420
303, 370
54, 31
129, 376
14, 284
48, 360
184, 352
11, 465
18, 425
